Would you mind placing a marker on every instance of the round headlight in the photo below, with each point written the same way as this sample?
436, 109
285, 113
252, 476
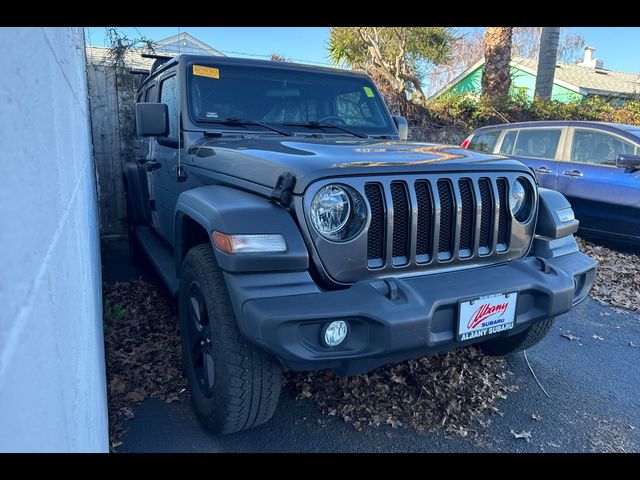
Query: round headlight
520, 200
338, 212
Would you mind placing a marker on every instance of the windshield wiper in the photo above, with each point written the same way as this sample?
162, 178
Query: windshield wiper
314, 124
240, 121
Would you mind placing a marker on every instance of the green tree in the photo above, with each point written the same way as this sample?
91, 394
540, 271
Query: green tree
399, 55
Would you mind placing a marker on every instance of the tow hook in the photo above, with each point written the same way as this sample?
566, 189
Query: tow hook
545, 266
392, 289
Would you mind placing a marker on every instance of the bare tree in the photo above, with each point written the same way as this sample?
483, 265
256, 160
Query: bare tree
547, 62
276, 57
496, 77
120, 44
466, 51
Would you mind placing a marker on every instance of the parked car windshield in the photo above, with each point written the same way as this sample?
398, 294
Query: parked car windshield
279, 96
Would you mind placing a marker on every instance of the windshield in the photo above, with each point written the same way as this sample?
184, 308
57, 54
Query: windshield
283, 97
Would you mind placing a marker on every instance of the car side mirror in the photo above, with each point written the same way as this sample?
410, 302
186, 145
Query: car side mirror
628, 161
402, 126
152, 119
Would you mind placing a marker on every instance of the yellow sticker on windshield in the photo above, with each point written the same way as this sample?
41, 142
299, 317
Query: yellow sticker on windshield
368, 91
206, 71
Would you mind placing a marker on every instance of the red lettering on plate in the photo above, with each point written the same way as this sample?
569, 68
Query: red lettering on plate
485, 311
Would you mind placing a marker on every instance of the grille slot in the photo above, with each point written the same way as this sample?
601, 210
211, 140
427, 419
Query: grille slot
467, 224
401, 223
486, 216
447, 220
503, 225
424, 240
376, 237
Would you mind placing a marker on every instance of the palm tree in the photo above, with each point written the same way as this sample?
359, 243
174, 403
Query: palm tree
547, 61
496, 77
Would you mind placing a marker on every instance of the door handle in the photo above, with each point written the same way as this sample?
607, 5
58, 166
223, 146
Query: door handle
544, 170
152, 165
573, 173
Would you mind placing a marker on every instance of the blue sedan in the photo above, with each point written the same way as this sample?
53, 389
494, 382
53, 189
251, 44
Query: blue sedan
595, 165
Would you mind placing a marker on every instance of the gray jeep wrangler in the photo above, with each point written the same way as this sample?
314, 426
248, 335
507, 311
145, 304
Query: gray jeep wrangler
284, 207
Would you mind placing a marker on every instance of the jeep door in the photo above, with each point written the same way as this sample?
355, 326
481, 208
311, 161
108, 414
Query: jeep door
605, 199
165, 155
142, 148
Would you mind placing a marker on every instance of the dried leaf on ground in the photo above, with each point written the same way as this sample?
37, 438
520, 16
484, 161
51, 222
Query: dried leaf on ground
142, 348
525, 435
618, 279
573, 338
449, 391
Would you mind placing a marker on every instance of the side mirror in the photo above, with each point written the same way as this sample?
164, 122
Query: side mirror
152, 119
402, 126
629, 162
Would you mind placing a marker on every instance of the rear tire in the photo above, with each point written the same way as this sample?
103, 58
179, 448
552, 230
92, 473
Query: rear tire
136, 254
521, 341
234, 384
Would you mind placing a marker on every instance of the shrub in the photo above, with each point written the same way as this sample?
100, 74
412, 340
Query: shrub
472, 113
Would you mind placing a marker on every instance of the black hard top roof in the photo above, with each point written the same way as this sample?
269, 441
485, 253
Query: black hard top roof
250, 62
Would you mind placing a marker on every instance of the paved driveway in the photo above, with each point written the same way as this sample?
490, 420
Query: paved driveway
594, 384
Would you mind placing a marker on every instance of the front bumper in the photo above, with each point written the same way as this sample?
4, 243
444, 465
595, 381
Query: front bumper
285, 314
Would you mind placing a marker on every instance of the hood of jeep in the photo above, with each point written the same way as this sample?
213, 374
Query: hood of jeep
262, 160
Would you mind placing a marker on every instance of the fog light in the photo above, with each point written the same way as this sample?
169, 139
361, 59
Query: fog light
335, 333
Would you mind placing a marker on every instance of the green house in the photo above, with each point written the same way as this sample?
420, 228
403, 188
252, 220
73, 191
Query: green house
571, 81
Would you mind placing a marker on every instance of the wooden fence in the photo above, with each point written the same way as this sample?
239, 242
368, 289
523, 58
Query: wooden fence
111, 100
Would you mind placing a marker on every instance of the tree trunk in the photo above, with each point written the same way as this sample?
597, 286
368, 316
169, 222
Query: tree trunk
496, 77
547, 62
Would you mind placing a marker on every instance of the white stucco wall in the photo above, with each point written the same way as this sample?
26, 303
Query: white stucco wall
52, 381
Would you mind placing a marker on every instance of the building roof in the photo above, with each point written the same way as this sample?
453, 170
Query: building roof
588, 80
171, 46
185, 43
580, 79
132, 58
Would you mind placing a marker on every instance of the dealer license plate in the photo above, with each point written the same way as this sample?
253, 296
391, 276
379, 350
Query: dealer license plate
486, 315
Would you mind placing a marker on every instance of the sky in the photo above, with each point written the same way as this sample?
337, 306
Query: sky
614, 45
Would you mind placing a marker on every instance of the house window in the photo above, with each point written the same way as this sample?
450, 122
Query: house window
169, 96
484, 142
538, 143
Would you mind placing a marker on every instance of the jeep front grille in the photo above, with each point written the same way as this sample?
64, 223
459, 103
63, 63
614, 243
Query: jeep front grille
438, 203
425, 223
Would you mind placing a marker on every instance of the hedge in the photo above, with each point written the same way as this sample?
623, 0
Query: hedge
471, 113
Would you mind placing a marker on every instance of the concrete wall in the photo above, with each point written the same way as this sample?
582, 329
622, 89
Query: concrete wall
52, 374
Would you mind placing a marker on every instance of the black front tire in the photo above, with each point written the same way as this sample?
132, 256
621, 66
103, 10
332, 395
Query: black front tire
518, 342
234, 384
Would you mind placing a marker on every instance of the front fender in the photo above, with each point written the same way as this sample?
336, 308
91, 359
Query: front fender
135, 182
234, 211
